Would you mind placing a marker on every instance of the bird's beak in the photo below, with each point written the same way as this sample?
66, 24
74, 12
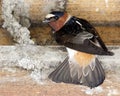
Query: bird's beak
46, 21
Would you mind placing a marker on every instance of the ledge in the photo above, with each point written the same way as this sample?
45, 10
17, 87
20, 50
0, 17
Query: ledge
42, 60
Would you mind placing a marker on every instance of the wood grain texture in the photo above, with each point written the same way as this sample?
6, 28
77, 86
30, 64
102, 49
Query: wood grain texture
95, 10
5, 38
105, 19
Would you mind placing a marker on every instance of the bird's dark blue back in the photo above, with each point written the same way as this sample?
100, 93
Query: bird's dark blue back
71, 27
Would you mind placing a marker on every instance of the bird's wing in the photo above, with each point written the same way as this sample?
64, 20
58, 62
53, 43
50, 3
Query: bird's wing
82, 42
89, 28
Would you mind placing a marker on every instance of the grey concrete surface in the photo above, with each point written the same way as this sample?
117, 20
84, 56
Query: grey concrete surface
42, 60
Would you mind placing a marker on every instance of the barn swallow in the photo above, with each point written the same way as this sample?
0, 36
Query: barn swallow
83, 44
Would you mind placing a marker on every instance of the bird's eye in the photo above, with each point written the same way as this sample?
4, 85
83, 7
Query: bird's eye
50, 18
56, 17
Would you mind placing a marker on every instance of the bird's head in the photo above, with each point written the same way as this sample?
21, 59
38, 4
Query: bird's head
56, 19
53, 16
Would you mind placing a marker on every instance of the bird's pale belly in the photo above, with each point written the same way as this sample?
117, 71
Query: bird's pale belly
81, 58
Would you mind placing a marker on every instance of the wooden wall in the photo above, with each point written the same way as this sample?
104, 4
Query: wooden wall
105, 16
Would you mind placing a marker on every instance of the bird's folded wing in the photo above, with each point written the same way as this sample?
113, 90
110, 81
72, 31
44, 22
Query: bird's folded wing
79, 38
89, 28
82, 42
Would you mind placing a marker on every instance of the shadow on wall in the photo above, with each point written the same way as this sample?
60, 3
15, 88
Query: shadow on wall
5, 38
42, 35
